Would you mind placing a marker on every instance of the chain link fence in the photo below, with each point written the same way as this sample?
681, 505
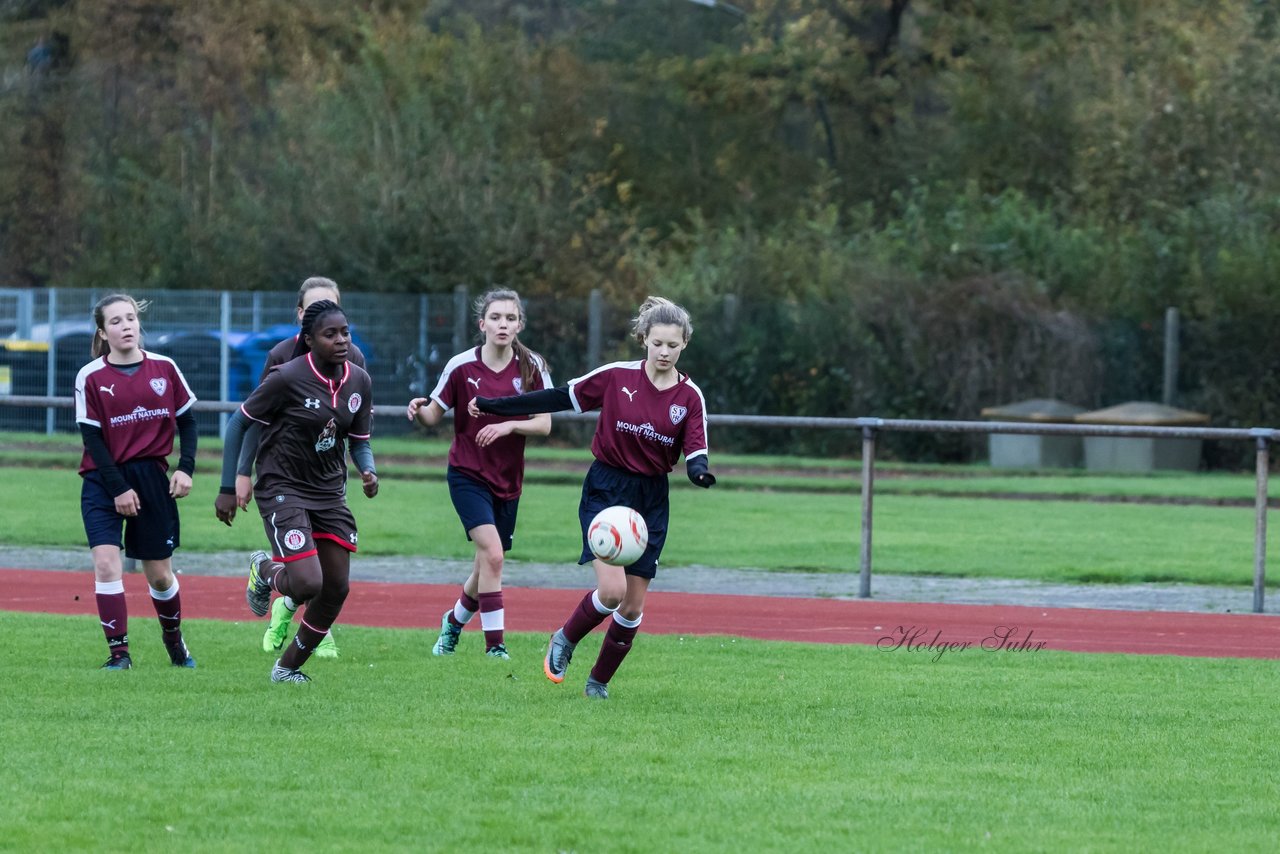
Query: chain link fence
220, 340
897, 358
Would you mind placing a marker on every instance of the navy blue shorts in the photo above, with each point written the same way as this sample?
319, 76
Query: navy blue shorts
606, 486
153, 533
477, 505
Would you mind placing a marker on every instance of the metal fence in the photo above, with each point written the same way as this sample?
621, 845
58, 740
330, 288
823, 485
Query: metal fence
1261, 438
220, 340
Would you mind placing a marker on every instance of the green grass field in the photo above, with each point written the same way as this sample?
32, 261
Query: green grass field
707, 744
775, 527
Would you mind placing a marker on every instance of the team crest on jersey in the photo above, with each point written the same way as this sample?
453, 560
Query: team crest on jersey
677, 413
518, 385
354, 402
328, 438
158, 385
294, 539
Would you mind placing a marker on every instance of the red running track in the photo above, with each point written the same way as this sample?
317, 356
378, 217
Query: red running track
921, 627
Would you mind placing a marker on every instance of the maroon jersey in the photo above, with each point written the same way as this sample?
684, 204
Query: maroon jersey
642, 429
283, 352
307, 419
500, 466
137, 413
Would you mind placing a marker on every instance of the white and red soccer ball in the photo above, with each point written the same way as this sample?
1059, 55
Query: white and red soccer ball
618, 536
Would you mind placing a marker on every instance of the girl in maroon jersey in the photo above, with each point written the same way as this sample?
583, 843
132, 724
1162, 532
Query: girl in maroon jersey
309, 407
486, 459
129, 405
649, 414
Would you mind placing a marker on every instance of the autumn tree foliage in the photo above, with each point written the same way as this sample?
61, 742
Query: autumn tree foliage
1028, 183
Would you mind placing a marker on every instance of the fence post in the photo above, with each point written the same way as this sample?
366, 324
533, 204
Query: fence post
1262, 469
26, 313
868, 486
460, 317
51, 371
595, 324
1170, 355
224, 357
424, 353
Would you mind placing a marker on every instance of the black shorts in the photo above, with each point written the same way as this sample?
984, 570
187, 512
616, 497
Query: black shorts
606, 486
151, 535
477, 505
292, 527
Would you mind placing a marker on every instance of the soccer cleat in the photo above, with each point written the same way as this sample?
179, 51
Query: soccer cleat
287, 674
278, 629
118, 662
327, 648
258, 592
449, 635
498, 651
596, 690
179, 655
559, 654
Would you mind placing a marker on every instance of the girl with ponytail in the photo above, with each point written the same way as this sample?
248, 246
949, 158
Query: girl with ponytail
130, 404
650, 414
486, 459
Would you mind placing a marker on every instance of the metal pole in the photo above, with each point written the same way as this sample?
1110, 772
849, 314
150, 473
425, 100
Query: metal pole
51, 372
868, 486
1170, 355
595, 324
424, 355
460, 317
1262, 468
224, 358
26, 313
257, 311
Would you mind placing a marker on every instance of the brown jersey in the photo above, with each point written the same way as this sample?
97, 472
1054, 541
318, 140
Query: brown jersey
307, 419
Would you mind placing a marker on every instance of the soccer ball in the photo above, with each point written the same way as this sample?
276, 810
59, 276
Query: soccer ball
618, 536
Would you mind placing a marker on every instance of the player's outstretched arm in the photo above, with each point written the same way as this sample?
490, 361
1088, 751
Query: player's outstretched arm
530, 403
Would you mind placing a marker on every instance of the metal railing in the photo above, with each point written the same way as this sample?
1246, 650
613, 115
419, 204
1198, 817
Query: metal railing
869, 427
1261, 436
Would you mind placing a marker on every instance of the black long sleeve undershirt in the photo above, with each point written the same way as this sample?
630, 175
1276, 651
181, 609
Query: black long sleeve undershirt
96, 445
530, 403
188, 437
696, 468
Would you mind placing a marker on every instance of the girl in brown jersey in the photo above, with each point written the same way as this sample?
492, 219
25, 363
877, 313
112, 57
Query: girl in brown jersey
283, 609
309, 407
486, 459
